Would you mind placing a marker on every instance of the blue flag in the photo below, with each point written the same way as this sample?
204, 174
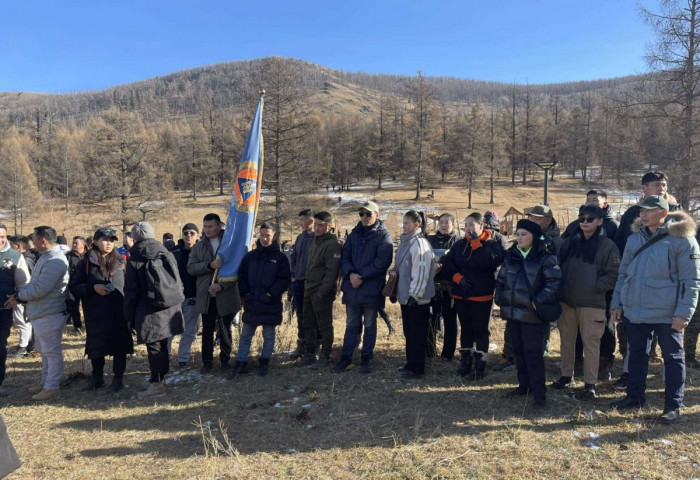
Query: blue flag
240, 223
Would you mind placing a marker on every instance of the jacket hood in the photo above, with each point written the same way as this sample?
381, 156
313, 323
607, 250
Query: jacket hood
149, 248
553, 230
678, 223
325, 237
273, 247
607, 210
378, 226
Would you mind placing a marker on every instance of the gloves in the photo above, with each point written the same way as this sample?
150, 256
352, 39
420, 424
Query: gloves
412, 302
464, 284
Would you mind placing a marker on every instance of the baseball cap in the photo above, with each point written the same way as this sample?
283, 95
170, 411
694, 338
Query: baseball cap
105, 233
370, 207
654, 201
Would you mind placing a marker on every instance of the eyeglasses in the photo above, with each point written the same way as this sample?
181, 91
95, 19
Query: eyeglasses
189, 233
587, 219
365, 213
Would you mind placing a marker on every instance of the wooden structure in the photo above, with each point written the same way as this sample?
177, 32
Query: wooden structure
510, 220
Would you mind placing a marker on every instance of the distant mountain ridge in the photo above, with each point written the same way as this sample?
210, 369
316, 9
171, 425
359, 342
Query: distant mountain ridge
231, 83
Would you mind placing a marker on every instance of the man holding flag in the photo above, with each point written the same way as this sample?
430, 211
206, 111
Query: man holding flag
215, 260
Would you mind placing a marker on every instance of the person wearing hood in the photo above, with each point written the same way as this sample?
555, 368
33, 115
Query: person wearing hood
657, 293
442, 304
530, 274
263, 279
415, 267
492, 223
155, 322
366, 257
98, 281
653, 183
598, 198
322, 269
471, 264
589, 261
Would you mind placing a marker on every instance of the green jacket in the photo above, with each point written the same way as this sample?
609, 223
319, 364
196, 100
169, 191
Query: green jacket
323, 266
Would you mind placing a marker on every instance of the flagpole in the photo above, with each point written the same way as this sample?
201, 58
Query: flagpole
260, 169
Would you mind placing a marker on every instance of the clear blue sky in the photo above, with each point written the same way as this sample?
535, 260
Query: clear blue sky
65, 46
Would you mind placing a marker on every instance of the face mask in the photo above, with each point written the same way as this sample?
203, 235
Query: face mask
473, 235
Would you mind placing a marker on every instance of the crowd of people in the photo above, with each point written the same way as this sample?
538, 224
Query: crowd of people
642, 274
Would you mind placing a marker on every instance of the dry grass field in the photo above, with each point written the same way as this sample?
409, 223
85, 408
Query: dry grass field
313, 424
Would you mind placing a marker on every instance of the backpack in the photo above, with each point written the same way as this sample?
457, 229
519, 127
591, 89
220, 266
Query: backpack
163, 286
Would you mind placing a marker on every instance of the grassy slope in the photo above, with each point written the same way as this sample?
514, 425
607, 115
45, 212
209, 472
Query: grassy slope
374, 426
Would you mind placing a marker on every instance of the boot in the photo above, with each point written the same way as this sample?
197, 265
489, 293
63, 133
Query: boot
45, 395
116, 385
366, 364
324, 361
342, 364
95, 383
299, 352
154, 390
35, 389
263, 364
465, 363
239, 369
479, 365
605, 367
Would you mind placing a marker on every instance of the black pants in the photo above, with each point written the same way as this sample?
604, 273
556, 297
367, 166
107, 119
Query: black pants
415, 328
527, 340
317, 323
73, 307
442, 306
210, 323
690, 337
5, 326
474, 319
158, 360
118, 366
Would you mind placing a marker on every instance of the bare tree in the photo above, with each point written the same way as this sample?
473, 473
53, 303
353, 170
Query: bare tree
422, 96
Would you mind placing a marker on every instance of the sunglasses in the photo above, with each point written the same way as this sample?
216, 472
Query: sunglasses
189, 233
365, 213
587, 219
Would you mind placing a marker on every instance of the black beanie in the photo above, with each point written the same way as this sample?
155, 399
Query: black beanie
190, 226
530, 226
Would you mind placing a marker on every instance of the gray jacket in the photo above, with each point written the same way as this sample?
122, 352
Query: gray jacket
662, 282
228, 302
300, 255
46, 292
416, 267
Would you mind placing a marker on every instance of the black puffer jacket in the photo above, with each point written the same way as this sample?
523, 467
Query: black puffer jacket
151, 324
106, 328
477, 265
263, 278
521, 281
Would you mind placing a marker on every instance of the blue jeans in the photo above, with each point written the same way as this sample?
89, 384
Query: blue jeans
639, 337
353, 326
247, 336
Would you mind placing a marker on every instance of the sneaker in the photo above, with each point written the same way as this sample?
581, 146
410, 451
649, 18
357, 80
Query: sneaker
21, 352
206, 368
518, 392
588, 392
409, 375
116, 385
563, 383
45, 395
342, 364
154, 390
35, 389
94, 384
503, 364
671, 416
621, 384
627, 403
